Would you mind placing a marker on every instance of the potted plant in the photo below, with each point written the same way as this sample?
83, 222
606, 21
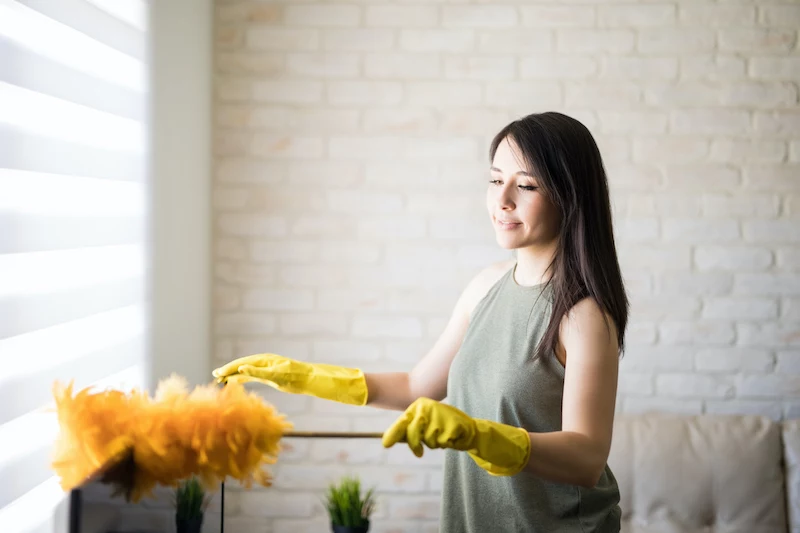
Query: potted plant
190, 504
348, 510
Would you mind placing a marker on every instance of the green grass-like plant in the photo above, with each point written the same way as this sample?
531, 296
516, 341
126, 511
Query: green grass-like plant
190, 499
345, 504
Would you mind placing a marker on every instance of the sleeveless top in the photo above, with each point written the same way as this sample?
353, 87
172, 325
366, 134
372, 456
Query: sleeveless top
494, 376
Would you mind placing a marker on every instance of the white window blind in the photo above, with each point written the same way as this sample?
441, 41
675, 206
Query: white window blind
73, 225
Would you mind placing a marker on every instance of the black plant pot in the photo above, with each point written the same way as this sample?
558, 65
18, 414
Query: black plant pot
350, 529
188, 525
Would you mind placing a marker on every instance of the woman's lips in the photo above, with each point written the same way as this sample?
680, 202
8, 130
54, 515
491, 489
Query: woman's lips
507, 225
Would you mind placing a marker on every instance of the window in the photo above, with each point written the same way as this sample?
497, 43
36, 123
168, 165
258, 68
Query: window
73, 225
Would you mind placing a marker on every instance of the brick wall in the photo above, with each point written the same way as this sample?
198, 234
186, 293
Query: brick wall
350, 165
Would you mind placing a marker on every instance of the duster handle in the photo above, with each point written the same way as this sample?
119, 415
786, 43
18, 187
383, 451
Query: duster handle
332, 435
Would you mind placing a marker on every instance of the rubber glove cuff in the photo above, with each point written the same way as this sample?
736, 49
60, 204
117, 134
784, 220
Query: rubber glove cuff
500, 449
338, 384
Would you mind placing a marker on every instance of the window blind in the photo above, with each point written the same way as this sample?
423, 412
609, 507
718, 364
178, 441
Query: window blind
73, 226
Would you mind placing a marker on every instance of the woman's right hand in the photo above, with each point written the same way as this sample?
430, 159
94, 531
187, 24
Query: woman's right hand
330, 382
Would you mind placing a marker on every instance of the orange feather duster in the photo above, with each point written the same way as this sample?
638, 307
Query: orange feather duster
135, 442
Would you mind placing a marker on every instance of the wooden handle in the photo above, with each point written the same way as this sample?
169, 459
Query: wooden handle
331, 435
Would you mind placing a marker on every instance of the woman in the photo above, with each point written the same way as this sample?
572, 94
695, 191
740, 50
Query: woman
529, 359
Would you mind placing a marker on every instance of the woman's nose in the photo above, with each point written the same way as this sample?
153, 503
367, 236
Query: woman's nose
504, 198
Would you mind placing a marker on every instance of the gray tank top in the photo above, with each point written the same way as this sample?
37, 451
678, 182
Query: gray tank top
494, 376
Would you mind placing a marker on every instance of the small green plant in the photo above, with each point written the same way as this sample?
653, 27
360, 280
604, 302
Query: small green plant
190, 499
345, 505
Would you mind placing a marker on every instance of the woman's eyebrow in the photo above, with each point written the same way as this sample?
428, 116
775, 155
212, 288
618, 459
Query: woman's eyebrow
518, 173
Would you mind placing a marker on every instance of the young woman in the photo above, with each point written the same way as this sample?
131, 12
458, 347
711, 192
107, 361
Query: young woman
529, 359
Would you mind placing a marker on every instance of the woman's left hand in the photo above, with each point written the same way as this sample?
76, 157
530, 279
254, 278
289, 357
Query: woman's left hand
498, 448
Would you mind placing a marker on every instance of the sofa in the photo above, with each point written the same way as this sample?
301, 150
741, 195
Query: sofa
707, 473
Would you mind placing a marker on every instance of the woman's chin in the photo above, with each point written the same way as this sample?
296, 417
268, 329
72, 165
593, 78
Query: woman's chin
506, 243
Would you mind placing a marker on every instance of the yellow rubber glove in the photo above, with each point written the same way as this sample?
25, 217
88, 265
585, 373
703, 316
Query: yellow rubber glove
500, 449
336, 383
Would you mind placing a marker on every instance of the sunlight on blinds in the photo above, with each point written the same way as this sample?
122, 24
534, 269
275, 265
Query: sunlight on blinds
20, 192
57, 41
53, 117
74, 218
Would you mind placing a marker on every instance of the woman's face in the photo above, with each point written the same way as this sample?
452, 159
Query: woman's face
521, 214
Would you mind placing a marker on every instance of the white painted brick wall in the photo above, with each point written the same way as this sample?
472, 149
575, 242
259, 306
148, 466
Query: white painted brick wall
350, 160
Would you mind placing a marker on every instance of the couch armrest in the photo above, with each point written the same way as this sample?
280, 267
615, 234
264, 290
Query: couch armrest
791, 456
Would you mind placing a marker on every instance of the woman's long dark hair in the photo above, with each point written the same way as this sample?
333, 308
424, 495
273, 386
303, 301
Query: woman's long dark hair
563, 156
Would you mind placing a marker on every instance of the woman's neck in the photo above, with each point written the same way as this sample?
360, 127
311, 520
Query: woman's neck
533, 263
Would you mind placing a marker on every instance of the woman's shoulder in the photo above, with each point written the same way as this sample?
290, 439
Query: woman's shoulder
492, 273
587, 323
484, 280
586, 312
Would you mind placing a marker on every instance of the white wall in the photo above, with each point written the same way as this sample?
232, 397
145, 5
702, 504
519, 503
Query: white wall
181, 163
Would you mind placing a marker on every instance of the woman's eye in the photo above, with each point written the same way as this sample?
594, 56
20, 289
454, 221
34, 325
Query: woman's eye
495, 182
528, 187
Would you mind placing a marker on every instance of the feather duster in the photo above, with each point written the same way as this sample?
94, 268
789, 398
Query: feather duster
134, 442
